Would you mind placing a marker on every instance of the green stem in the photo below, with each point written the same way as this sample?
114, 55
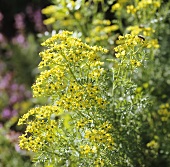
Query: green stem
70, 68
66, 141
79, 25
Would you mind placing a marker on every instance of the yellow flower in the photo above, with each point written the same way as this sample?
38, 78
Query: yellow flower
85, 149
115, 7
99, 163
153, 43
49, 9
153, 144
131, 9
48, 21
77, 15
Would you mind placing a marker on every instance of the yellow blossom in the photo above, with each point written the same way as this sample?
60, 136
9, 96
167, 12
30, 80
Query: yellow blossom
48, 21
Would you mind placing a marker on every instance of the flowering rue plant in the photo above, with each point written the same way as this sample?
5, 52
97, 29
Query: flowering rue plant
72, 80
85, 123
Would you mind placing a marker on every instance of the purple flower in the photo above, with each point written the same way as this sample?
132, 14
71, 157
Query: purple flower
13, 99
19, 21
19, 39
14, 87
17, 148
7, 113
4, 83
37, 17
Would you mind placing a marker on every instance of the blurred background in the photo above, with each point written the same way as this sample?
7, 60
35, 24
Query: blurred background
20, 23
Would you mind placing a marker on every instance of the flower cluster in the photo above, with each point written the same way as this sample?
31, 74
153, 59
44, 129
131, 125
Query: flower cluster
86, 149
101, 31
38, 119
77, 16
129, 49
100, 135
136, 30
97, 142
152, 5
144, 32
118, 5
99, 163
71, 78
13, 98
69, 10
164, 112
153, 144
